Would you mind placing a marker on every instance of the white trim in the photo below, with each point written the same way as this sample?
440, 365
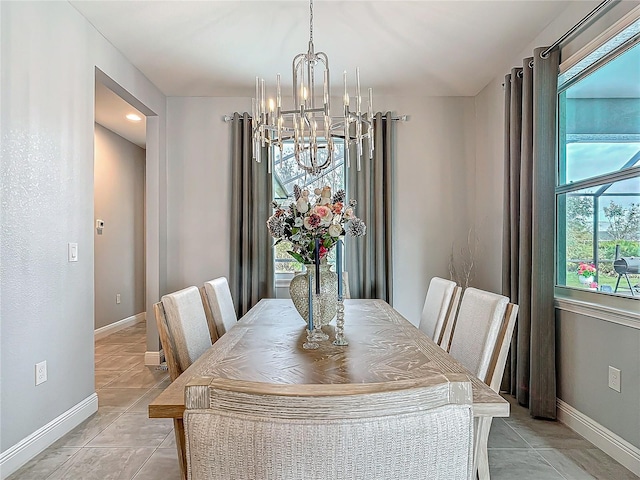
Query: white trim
603, 438
601, 312
27, 448
154, 358
119, 325
605, 36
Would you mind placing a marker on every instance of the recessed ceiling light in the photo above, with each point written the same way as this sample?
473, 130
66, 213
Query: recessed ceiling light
133, 117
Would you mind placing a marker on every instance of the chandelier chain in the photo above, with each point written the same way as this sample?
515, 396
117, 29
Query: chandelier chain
311, 21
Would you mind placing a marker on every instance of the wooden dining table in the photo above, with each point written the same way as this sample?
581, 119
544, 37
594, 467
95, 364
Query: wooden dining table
266, 346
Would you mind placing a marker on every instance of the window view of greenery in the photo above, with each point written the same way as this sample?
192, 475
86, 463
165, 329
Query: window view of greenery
286, 174
598, 192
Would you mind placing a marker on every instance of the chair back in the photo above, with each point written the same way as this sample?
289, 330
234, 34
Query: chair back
501, 350
221, 304
168, 348
437, 307
186, 325
246, 430
477, 329
213, 331
449, 322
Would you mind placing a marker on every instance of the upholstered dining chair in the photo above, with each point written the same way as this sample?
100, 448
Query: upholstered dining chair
220, 302
481, 340
248, 430
477, 329
440, 305
183, 329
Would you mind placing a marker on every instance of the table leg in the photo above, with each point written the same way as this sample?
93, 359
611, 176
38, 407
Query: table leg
178, 428
480, 453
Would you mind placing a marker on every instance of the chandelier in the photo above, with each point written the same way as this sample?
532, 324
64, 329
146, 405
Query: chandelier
311, 125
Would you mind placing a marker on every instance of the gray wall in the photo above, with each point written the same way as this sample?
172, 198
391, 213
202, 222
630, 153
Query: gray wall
586, 345
433, 181
49, 56
119, 251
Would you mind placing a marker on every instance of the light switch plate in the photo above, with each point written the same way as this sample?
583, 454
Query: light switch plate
73, 252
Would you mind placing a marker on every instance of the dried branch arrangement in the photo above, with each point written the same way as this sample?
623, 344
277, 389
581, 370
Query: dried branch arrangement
461, 266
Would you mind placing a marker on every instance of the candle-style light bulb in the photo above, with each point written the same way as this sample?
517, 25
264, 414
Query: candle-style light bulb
346, 92
358, 96
257, 94
325, 84
278, 92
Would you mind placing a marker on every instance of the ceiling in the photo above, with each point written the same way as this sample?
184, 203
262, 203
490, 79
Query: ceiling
217, 48
111, 111
432, 48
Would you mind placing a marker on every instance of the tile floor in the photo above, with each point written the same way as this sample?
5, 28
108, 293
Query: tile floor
121, 442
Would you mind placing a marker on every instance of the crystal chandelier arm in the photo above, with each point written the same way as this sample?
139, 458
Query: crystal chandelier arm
294, 67
310, 124
310, 93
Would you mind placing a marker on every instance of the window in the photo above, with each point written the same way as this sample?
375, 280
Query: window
598, 188
286, 174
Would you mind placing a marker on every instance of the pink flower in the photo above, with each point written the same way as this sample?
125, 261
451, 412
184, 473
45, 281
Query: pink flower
324, 213
593, 285
586, 269
337, 208
323, 251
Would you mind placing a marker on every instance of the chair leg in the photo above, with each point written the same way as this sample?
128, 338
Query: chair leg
480, 452
178, 427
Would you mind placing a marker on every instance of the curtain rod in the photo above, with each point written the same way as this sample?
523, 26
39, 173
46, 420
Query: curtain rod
577, 26
401, 118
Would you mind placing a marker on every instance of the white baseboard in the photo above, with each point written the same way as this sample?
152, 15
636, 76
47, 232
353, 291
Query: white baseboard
119, 325
154, 358
23, 451
603, 438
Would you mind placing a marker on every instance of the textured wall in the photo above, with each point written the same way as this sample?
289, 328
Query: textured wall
199, 188
119, 250
432, 187
49, 56
47, 183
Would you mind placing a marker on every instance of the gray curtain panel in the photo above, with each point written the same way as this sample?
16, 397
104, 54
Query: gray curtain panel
528, 235
368, 259
251, 269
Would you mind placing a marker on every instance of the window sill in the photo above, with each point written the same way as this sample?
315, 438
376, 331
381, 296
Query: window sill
602, 312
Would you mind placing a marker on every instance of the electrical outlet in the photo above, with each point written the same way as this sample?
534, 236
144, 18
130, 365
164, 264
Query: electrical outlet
41, 372
117, 298
614, 378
